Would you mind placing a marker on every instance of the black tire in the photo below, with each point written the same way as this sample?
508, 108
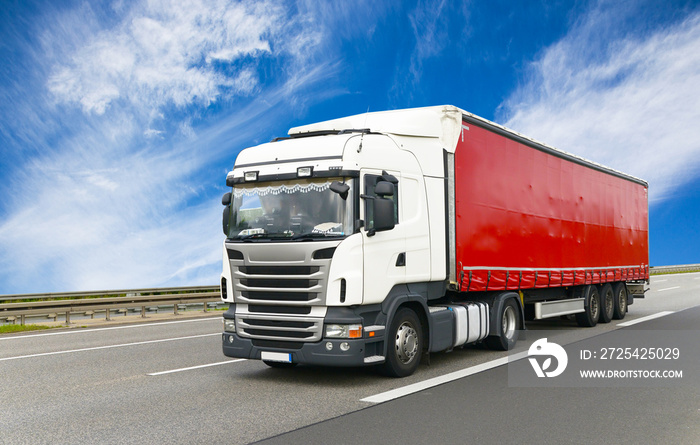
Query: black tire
589, 318
279, 365
620, 307
404, 344
607, 303
509, 325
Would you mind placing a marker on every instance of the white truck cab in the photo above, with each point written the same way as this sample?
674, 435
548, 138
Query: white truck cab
327, 229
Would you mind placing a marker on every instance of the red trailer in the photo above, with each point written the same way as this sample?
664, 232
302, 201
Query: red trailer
532, 217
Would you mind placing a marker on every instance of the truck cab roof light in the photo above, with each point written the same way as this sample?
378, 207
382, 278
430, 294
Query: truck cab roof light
305, 172
250, 176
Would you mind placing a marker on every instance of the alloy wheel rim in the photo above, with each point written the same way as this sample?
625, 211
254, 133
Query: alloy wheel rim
406, 343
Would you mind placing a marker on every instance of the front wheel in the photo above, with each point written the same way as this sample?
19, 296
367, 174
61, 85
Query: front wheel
405, 344
509, 319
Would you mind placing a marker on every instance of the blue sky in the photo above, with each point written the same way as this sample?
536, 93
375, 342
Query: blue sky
120, 119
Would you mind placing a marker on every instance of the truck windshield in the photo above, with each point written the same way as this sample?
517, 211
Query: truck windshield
294, 210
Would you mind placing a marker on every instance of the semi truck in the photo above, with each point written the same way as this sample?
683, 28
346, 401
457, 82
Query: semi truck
379, 238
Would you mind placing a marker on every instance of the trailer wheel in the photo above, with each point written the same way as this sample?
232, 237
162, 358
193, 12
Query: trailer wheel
509, 319
620, 306
589, 318
279, 365
607, 303
405, 344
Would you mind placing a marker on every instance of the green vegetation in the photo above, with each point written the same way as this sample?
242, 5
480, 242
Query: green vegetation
656, 273
8, 328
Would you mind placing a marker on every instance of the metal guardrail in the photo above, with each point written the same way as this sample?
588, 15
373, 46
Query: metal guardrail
14, 307
659, 270
20, 306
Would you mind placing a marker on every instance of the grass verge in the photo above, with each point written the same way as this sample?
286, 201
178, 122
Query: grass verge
676, 272
8, 328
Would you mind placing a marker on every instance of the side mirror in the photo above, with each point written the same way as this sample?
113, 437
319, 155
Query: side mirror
384, 188
340, 188
387, 177
226, 199
383, 214
226, 218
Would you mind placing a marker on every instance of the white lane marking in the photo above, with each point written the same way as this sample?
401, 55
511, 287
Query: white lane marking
435, 381
658, 281
668, 288
197, 367
96, 348
643, 319
82, 331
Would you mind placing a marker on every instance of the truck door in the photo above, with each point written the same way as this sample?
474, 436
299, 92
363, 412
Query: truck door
384, 252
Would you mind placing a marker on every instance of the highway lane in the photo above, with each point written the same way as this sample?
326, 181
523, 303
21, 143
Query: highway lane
107, 395
484, 407
55, 340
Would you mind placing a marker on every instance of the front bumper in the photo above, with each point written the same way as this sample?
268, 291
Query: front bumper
362, 351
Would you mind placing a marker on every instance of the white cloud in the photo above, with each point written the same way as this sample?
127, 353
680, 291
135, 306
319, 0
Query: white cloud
115, 218
627, 102
433, 26
429, 26
165, 52
127, 194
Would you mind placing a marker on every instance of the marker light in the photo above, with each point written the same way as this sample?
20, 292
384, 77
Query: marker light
250, 176
304, 172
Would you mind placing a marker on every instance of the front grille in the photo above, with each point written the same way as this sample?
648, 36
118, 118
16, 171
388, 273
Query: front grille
281, 323
279, 270
295, 310
280, 291
284, 284
285, 334
270, 296
279, 327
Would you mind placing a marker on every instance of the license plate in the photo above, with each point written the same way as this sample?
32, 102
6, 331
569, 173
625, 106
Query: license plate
276, 356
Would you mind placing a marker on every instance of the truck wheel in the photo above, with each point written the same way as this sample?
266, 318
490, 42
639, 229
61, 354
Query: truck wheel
405, 344
620, 306
607, 303
509, 322
279, 365
589, 318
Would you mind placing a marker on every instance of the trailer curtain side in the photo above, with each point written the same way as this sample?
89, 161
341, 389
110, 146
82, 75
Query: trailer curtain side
526, 217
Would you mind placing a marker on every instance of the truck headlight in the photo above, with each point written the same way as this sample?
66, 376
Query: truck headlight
343, 331
229, 325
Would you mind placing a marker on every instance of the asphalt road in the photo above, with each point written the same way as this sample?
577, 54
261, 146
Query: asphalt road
168, 382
